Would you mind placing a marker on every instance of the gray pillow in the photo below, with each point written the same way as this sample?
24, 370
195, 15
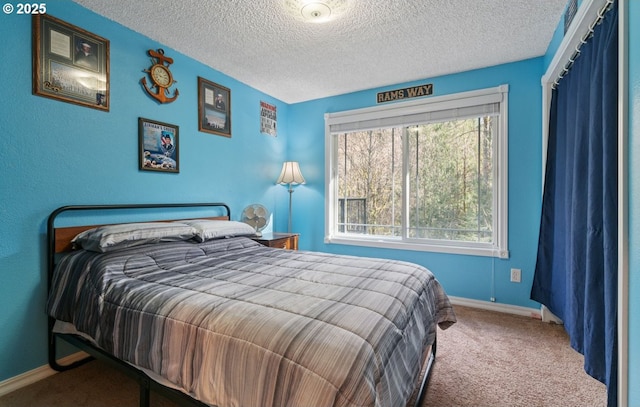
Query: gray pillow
112, 237
207, 229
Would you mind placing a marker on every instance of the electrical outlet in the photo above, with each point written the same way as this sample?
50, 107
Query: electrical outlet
516, 275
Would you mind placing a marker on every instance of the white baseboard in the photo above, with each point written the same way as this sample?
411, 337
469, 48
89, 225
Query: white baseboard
548, 316
35, 375
494, 306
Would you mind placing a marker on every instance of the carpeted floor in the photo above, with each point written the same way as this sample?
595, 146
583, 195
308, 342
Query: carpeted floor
495, 359
486, 359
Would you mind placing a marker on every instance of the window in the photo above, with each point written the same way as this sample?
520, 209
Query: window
429, 174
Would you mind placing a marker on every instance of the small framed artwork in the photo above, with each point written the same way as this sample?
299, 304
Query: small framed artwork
158, 146
214, 108
70, 64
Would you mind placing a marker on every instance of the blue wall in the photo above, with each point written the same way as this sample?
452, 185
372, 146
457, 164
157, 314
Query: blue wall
56, 153
464, 276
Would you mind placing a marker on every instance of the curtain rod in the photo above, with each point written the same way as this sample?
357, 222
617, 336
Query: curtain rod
600, 15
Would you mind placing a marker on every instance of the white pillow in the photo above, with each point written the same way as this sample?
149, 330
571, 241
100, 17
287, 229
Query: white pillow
207, 229
111, 237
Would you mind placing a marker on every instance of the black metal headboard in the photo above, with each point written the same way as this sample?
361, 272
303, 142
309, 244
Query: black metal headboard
51, 235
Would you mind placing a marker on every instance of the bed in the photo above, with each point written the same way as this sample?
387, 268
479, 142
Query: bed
197, 310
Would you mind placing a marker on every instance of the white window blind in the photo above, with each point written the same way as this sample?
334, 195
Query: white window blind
472, 104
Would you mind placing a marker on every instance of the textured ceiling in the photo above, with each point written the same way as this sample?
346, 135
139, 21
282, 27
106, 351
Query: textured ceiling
367, 44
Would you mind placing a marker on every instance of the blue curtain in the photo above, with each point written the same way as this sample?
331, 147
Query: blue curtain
577, 267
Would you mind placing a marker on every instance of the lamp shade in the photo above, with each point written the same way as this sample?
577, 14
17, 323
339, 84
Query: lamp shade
290, 174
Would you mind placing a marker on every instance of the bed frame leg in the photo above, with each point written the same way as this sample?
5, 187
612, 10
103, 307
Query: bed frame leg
52, 353
427, 375
145, 393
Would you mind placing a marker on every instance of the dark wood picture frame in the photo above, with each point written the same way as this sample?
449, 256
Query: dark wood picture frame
158, 146
70, 64
214, 108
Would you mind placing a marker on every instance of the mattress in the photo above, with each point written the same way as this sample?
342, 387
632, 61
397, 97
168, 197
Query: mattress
235, 323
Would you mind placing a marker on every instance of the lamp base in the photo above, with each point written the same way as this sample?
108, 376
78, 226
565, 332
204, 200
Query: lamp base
290, 195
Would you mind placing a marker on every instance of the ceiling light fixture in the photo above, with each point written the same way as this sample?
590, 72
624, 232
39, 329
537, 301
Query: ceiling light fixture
316, 11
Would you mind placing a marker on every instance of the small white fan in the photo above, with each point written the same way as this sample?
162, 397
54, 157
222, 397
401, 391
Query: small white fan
257, 216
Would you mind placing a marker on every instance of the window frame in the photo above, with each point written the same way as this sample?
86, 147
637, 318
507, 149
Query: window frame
499, 247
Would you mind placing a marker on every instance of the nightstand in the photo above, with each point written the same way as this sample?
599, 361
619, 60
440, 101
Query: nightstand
280, 240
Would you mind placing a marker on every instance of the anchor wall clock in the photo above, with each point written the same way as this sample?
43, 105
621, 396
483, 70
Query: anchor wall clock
161, 77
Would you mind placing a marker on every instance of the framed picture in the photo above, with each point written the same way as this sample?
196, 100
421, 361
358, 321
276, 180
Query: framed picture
158, 146
268, 119
70, 64
214, 108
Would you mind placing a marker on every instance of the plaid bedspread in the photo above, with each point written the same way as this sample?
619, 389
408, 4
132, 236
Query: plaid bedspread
234, 323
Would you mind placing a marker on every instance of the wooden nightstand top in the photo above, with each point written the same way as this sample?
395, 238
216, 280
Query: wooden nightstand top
279, 240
